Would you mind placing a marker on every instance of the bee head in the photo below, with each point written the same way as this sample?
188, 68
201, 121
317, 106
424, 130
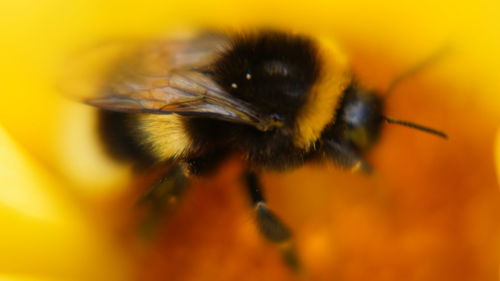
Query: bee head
359, 118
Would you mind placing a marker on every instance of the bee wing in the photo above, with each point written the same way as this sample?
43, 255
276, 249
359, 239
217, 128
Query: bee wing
185, 92
169, 76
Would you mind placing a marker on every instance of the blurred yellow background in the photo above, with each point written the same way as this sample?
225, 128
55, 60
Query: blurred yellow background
430, 212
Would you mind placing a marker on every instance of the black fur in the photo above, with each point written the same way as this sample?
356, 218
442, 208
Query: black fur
269, 150
281, 68
117, 131
207, 162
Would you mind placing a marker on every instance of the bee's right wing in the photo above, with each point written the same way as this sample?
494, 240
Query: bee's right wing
162, 77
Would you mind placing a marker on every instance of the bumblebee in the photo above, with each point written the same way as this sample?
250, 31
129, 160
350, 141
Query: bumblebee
278, 99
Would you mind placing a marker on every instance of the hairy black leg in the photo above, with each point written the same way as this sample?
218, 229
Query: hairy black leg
269, 225
162, 198
164, 195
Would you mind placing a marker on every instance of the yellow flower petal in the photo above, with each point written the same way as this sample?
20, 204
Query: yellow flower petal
497, 155
25, 278
45, 232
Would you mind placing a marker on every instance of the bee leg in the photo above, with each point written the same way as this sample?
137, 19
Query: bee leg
164, 195
344, 157
269, 225
161, 199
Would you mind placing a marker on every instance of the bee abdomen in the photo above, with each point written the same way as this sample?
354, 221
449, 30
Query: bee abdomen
120, 139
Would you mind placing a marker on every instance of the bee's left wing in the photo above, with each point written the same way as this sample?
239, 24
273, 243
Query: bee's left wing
169, 76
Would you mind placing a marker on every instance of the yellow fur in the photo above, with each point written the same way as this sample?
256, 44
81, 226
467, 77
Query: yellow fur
324, 97
165, 134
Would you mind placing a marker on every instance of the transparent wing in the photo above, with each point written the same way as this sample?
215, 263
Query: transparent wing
162, 77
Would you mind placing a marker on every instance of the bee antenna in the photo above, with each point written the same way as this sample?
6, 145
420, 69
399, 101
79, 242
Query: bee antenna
416, 126
416, 68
